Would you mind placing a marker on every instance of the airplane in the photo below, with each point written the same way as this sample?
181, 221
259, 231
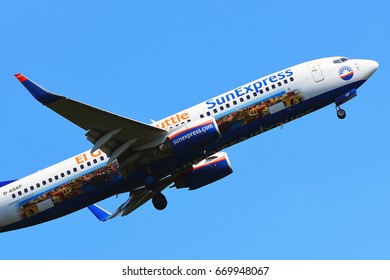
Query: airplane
183, 150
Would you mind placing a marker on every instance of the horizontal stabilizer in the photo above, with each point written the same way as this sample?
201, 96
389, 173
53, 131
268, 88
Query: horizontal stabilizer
2, 184
42, 95
99, 212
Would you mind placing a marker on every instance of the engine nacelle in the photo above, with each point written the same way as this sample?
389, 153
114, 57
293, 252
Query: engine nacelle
207, 171
195, 135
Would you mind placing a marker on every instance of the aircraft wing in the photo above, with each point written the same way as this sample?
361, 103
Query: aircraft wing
137, 198
114, 134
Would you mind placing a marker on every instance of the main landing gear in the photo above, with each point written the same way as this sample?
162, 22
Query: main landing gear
159, 200
341, 114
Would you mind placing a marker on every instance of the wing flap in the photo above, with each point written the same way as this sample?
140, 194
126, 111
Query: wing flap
137, 198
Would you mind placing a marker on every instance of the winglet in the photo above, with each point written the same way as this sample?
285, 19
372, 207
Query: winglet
42, 95
99, 212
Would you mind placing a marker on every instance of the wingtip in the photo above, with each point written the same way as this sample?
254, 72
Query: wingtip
100, 213
20, 77
41, 94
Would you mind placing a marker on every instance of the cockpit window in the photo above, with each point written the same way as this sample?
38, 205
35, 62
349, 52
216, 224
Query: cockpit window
341, 60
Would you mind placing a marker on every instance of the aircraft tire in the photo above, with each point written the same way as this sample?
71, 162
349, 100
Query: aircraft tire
159, 201
341, 114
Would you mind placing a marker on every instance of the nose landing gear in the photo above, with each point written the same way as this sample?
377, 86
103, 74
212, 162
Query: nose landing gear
341, 114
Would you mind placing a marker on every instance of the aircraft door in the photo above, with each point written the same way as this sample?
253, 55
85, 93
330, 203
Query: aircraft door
316, 72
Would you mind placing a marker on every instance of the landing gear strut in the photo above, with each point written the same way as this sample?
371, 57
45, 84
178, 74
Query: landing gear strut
159, 201
341, 114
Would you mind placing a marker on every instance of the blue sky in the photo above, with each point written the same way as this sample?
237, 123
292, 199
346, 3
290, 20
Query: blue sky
316, 189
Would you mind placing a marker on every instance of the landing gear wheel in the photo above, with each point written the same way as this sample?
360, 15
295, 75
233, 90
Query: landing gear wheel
341, 114
159, 201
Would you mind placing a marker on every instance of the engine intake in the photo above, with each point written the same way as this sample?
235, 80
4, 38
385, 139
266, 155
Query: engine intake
205, 172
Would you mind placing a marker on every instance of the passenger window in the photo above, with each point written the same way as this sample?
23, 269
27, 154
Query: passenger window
56, 177
279, 83
74, 169
208, 114
234, 102
215, 110
68, 172
44, 182
291, 79
241, 99
267, 88
102, 158
285, 81
248, 97
88, 163
95, 161
227, 105
273, 86
254, 94
19, 193
25, 190
261, 91
50, 180
38, 185
201, 116
32, 188
221, 108
82, 166
13, 195
62, 175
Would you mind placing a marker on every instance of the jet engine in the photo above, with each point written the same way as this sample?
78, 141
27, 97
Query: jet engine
205, 172
194, 135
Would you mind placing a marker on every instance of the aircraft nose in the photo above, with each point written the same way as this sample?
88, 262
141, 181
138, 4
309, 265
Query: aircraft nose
370, 67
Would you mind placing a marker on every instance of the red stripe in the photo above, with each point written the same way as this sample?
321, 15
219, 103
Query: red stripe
21, 78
